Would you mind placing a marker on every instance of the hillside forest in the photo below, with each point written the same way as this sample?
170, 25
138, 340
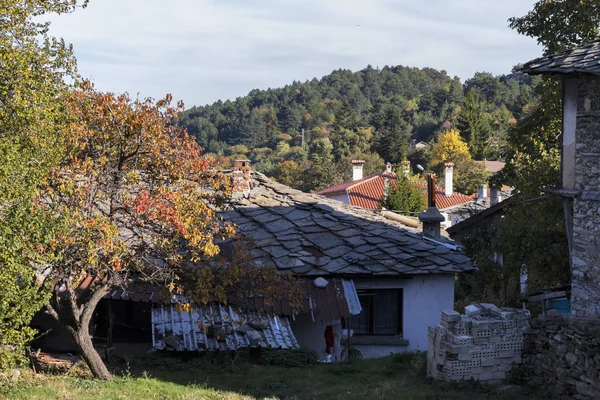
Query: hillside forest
306, 133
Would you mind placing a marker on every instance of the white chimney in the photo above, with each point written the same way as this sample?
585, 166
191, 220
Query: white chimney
448, 182
495, 196
482, 192
388, 168
357, 169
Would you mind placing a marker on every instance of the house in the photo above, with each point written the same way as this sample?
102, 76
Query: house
368, 192
367, 279
578, 70
421, 145
402, 279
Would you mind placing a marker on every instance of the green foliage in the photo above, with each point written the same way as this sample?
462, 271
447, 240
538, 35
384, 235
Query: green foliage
474, 125
405, 196
373, 110
288, 358
546, 22
32, 66
451, 148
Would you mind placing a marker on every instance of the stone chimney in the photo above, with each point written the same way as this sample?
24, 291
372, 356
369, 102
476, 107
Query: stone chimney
495, 196
449, 179
405, 167
357, 169
241, 176
431, 218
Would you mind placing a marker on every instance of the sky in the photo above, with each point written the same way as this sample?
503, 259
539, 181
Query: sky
205, 50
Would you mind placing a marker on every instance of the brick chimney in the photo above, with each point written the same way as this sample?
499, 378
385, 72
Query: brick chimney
405, 167
431, 218
357, 169
449, 179
241, 176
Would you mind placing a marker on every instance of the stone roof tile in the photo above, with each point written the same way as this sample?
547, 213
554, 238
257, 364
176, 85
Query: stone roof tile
311, 235
584, 59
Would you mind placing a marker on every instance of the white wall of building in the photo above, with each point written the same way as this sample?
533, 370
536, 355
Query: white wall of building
311, 334
424, 298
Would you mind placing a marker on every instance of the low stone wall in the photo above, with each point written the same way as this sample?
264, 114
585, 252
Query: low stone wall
562, 356
481, 345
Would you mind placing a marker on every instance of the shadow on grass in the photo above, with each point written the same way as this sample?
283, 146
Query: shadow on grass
394, 377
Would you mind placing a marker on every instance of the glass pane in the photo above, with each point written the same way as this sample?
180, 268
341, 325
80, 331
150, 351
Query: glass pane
360, 322
385, 312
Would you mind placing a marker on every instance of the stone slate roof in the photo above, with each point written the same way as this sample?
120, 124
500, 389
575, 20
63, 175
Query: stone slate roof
585, 59
368, 192
308, 234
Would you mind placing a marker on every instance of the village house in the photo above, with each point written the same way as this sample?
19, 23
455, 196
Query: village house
578, 70
368, 192
366, 277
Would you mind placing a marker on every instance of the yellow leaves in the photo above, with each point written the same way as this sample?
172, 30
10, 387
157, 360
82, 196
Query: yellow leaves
450, 147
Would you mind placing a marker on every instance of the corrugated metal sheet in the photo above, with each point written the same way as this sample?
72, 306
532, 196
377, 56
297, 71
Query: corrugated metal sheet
218, 328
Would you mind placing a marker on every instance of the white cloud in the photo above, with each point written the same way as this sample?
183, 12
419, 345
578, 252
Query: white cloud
205, 50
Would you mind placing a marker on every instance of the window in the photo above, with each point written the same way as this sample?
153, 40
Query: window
381, 313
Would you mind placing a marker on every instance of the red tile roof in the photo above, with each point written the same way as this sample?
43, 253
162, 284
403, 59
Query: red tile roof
368, 192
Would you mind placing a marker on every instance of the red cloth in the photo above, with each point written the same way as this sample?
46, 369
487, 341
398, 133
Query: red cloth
329, 339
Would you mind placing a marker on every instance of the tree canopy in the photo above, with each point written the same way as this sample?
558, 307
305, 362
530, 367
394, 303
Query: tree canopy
372, 111
33, 70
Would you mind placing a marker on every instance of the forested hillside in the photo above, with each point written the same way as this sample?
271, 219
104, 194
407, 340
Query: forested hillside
374, 114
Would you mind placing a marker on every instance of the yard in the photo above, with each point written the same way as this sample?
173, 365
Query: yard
163, 377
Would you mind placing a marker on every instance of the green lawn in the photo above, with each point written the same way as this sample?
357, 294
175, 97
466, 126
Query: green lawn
394, 377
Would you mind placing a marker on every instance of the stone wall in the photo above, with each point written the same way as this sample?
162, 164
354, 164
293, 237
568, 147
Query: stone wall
586, 206
481, 345
562, 356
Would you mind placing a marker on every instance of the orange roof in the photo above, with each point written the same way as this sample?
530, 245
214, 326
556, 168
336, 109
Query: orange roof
368, 192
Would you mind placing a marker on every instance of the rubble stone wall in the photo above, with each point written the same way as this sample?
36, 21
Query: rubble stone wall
562, 356
586, 206
481, 345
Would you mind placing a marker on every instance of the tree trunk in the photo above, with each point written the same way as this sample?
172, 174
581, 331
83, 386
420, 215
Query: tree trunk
79, 317
90, 355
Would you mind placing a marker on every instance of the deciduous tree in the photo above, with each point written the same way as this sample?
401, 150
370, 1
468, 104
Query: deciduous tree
33, 68
137, 202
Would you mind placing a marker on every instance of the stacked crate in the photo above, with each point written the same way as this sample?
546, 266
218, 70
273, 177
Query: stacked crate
482, 344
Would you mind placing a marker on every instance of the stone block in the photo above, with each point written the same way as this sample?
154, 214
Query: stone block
451, 316
488, 362
473, 310
498, 375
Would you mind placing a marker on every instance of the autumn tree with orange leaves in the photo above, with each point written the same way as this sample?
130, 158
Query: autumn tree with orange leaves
136, 201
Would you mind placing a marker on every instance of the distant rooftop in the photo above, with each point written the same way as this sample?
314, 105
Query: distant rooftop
492, 166
584, 59
368, 192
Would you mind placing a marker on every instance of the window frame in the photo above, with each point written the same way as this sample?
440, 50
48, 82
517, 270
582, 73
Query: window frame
371, 293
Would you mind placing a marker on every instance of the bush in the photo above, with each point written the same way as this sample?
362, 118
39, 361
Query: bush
288, 357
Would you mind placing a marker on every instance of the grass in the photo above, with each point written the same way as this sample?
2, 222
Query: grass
163, 377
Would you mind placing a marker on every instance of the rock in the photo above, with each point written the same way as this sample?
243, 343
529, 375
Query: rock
571, 358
